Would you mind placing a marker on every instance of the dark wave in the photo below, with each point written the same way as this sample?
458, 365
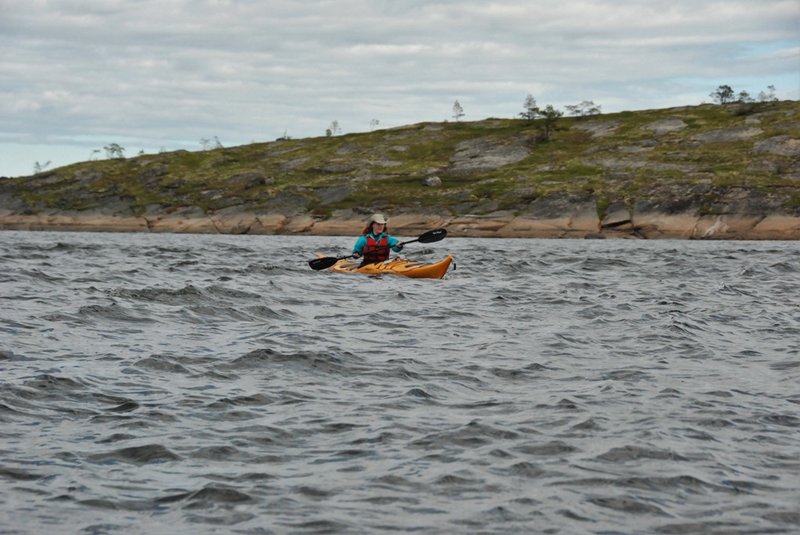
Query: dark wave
139, 455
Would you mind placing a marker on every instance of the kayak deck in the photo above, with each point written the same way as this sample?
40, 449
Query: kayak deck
397, 266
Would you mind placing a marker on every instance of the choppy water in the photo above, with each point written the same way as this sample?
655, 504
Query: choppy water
215, 384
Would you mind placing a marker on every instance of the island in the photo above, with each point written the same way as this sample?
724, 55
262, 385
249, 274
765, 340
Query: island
696, 172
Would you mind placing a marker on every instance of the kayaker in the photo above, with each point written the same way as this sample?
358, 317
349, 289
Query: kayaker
375, 241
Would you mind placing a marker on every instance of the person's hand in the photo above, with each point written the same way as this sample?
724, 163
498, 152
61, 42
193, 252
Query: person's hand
356, 255
399, 247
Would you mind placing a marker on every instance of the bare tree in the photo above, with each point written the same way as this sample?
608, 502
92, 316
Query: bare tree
584, 109
39, 167
207, 143
114, 150
373, 124
530, 109
458, 111
768, 95
333, 129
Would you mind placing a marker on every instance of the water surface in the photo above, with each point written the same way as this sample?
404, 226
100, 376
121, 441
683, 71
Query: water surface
200, 384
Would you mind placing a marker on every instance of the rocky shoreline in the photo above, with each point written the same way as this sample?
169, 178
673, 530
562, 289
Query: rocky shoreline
497, 225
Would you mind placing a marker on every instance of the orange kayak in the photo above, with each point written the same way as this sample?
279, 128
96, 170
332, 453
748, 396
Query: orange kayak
397, 266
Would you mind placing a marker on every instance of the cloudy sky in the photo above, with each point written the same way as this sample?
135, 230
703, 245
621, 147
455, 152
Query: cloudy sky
153, 75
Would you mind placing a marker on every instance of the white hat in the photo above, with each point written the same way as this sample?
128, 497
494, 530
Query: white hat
378, 218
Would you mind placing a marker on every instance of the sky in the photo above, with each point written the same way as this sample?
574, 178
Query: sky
161, 75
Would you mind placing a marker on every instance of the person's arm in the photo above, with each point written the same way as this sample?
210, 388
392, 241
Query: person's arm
359, 246
395, 244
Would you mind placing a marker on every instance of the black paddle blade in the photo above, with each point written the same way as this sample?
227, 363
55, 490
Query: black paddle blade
432, 235
323, 263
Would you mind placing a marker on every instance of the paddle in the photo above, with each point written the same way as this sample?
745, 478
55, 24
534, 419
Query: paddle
427, 237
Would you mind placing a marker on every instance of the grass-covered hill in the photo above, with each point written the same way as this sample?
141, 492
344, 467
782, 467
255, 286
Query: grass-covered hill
738, 159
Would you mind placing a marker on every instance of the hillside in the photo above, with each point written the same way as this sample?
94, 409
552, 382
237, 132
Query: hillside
706, 171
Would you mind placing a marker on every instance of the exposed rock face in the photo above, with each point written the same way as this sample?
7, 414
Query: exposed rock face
248, 180
599, 129
487, 153
724, 135
572, 224
561, 204
432, 181
328, 196
665, 126
780, 145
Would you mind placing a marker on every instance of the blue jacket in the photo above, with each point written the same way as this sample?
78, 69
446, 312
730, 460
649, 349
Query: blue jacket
362, 241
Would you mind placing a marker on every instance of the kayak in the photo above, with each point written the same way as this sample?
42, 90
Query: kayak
396, 266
